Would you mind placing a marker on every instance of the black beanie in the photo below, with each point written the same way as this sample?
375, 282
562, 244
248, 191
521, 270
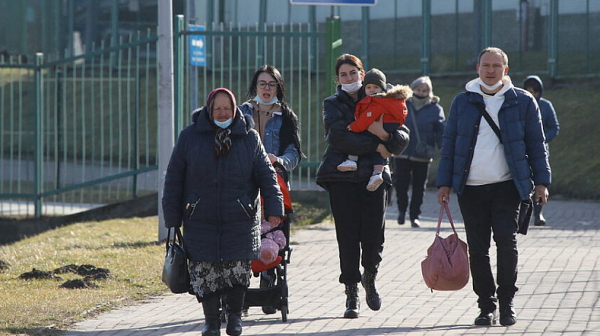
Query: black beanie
375, 76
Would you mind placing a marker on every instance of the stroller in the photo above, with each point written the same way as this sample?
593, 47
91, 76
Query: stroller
273, 291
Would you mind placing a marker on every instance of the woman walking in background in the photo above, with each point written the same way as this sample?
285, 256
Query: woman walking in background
279, 131
426, 123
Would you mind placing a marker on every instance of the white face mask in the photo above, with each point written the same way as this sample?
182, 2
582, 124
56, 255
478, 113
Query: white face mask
490, 87
261, 102
223, 124
352, 87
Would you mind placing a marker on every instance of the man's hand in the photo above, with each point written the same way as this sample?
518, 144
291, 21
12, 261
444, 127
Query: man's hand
541, 194
444, 195
272, 158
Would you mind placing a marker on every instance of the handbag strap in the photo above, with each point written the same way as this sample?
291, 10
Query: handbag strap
177, 237
444, 208
414, 120
489, 120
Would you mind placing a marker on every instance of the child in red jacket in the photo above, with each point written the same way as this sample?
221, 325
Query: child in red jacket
391, 103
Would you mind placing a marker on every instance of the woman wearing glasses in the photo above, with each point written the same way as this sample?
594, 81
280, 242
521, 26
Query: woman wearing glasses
278, 126
274, 120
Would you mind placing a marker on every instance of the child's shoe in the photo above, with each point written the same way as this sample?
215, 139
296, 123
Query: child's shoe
374, 182
347, 165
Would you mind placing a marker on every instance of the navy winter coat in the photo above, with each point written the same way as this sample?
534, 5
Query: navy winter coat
430, 122
217, 199
338, 113
522, 135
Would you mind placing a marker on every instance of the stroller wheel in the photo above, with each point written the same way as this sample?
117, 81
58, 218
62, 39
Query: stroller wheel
284, 309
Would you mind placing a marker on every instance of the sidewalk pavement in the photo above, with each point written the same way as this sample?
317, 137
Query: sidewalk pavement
559, 280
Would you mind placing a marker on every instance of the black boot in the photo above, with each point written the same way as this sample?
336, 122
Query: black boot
368, 282
212, 316
352, 303
235, 304
508, 316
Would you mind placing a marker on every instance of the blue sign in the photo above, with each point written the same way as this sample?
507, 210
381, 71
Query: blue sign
197, 47
335, 2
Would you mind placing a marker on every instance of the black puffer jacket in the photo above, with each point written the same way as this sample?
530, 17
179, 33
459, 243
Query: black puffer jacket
217, 199
338, 113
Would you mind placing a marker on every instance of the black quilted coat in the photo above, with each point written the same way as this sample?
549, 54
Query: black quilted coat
216, 199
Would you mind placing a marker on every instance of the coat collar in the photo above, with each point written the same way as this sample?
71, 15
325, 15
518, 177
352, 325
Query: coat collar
510, 98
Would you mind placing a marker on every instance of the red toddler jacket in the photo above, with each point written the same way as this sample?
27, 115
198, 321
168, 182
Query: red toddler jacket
392, 104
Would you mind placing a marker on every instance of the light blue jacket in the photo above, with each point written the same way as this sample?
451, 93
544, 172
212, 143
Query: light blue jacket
291, 156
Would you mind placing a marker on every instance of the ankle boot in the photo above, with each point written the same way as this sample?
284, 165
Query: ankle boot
352, 303
368, 283
212, 316
235, 303
508, 316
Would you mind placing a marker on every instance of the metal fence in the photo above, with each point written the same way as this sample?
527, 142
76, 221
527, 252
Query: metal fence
443, 37
233, 53
80, 132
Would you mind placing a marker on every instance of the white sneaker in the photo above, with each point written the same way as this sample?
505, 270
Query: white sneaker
347, 165
374, 182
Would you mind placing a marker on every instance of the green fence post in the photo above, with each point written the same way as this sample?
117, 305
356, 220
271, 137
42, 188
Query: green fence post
334, 48
487, 23
39, 105
426, 38
178, 73
553, 39
364, 52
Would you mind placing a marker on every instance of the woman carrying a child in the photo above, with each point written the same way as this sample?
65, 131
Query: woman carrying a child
380, 100
359, 214
278, 128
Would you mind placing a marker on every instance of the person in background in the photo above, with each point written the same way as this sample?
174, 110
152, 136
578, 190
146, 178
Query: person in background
279, 131
426, 117
211, 187
535, 86
379, 101
359, 214
493, 157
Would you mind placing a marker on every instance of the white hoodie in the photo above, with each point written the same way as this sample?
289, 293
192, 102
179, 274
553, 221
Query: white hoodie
489, 163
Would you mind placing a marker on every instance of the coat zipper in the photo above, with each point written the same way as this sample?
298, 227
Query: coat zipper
243, 208
193, 206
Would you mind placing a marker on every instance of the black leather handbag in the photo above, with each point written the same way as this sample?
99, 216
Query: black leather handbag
175, 272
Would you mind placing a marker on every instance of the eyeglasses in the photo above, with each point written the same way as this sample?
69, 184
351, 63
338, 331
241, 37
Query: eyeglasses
263, 85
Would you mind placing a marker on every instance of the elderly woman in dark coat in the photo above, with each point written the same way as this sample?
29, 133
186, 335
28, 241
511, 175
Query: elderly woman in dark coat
211, 187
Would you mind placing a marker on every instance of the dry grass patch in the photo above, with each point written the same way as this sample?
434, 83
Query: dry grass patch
126, 247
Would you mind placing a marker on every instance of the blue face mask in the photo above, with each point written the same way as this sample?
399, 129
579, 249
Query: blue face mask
275, 100
223, 124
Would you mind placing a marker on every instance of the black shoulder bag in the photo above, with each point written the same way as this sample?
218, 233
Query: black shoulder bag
175, 272
526, 207
422, 149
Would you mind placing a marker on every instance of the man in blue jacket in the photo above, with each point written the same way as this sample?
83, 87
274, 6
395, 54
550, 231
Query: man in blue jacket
535, 86
493, 166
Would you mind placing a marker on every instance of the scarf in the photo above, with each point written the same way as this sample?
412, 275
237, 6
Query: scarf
418, 103
222, 142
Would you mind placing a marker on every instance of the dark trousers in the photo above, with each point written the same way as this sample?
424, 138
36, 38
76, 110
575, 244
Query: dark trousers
408, 172
359, 217
487, 209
